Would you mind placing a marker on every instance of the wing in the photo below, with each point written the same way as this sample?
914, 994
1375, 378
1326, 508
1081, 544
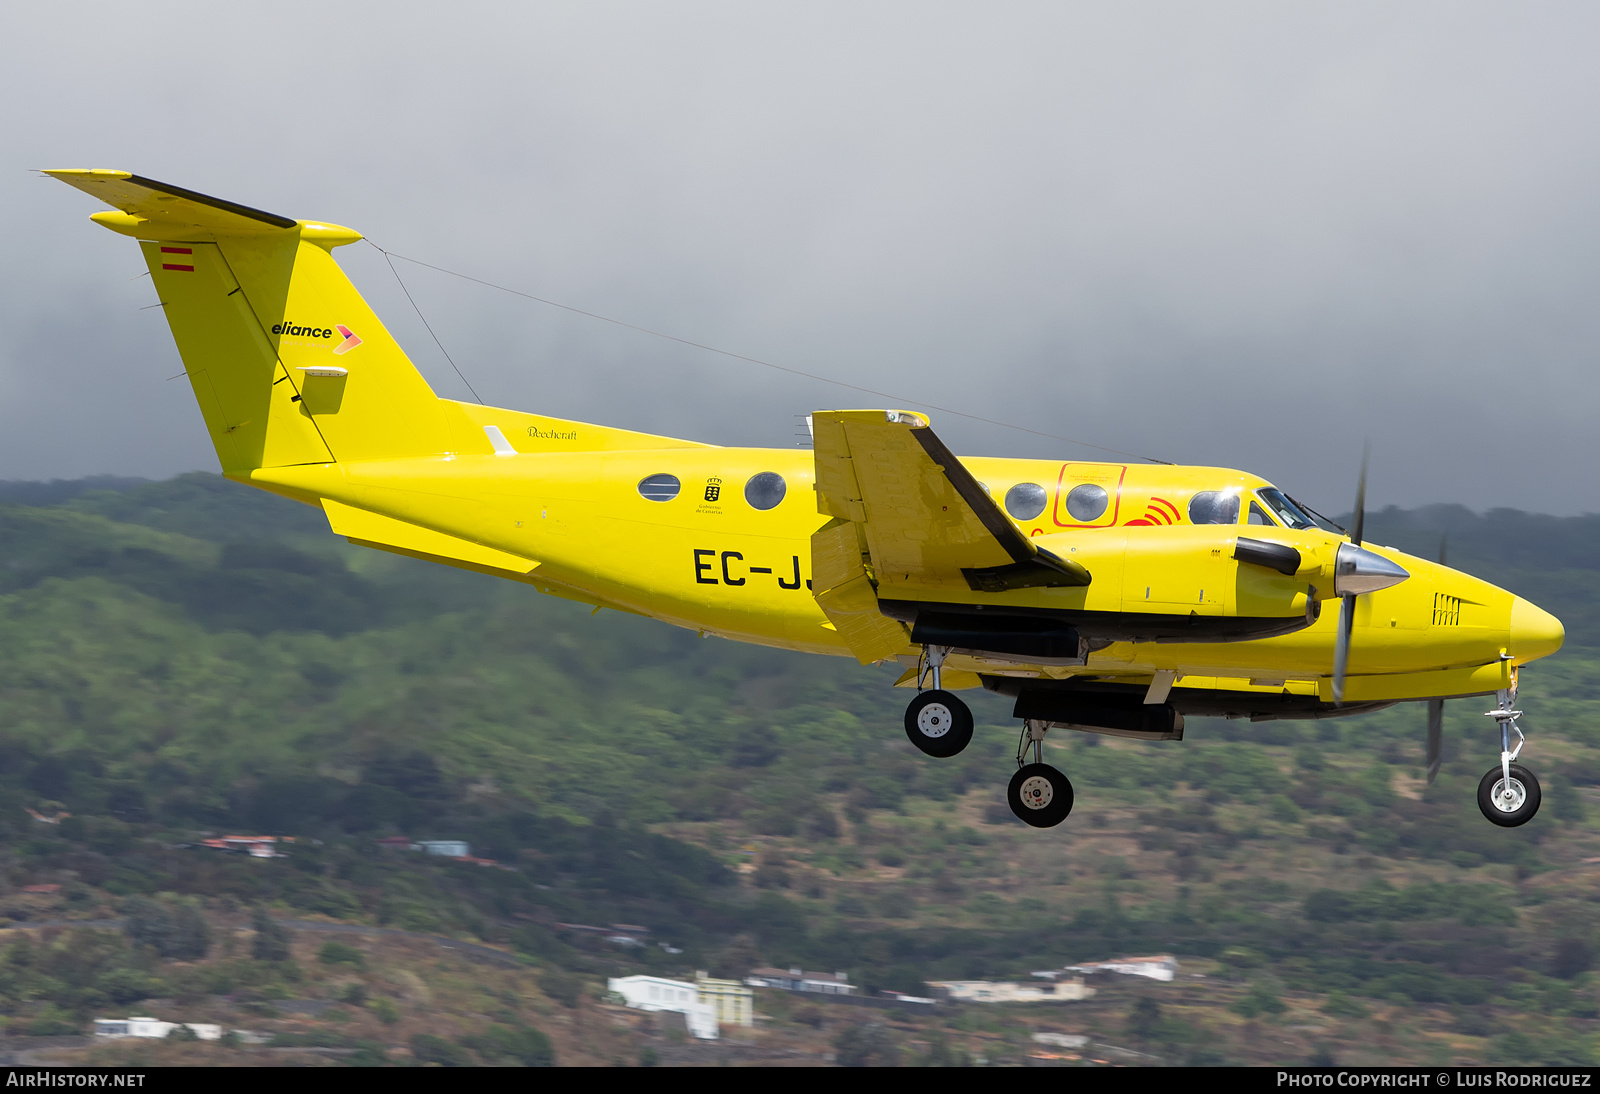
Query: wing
908, 513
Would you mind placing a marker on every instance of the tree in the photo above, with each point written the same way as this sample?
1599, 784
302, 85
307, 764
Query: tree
1260, 1000
562, 986
738, 957
940, 1054
1573, 956
1144, 1020
176, 930
334, 952
189, 937
429, 1049
870, 1045
273, 939
524, 1044
147, 923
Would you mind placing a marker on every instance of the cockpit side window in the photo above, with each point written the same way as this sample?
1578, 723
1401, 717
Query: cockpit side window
1284, 509
1214, 507
1258, 515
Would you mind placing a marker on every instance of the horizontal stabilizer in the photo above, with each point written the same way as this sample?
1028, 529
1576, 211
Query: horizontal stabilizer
163, 203
372, 530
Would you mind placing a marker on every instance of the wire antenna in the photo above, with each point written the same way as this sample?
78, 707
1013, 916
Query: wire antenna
389, 256
427, 324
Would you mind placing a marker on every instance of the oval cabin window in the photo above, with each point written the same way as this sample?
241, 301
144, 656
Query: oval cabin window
1214, 507
659, 487
765, 491
1025, 500
1087, 502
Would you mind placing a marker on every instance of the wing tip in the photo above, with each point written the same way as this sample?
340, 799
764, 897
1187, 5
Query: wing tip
869, 417
88, 174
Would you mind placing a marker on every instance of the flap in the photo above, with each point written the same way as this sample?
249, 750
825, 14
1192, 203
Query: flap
844, 592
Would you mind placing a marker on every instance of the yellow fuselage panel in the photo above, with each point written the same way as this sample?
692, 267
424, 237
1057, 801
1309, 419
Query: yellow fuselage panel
706, 559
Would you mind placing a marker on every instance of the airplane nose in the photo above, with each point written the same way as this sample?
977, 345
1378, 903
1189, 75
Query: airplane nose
1534, 631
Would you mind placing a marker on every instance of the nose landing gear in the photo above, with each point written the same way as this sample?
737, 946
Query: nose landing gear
1508, 795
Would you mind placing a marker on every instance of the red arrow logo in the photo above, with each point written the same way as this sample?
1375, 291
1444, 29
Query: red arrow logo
350, 340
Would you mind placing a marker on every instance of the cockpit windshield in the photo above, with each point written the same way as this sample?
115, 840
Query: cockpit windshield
1285, 509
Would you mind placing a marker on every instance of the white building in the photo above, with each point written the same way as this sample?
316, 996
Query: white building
1161, 967
152, 1027
827, 983
902, 997
1005, 991
732, 1002
450, 848
659, 993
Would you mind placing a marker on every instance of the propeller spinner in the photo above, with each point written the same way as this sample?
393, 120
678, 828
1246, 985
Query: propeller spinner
1356, 571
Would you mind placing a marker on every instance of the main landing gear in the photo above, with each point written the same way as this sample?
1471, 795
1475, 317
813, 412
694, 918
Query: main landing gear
937, 721
940, 724
1038, 794
1508, 794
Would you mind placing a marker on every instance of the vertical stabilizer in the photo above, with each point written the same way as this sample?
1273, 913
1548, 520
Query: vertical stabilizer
288, 363
246, 394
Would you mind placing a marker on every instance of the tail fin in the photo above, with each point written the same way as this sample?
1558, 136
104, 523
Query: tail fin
288, 363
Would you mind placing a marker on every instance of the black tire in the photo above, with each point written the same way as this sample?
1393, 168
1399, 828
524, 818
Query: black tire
1039, 795
1513, 817
938, 723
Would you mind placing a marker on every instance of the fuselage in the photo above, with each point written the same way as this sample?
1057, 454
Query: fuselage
676, 534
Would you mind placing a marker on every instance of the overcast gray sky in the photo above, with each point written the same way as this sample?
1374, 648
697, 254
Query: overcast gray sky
1241, 234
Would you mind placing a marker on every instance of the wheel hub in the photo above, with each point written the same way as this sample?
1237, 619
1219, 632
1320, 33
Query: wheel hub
934, 720
1508, 795
1036, 792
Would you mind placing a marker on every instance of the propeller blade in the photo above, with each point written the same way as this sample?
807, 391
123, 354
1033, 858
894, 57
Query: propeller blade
1435, 735
1358, 562
1341, 647
1444, 542
1360, 518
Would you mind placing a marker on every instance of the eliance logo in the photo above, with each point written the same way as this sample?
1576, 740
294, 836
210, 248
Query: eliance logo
350, 340
294, 330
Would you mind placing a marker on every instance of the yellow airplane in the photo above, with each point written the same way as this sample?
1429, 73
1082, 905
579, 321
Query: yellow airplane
1103, 597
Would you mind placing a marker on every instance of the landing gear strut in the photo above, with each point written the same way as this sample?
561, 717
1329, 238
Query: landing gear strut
940, 724
1039, 794
937, 722
1508, 794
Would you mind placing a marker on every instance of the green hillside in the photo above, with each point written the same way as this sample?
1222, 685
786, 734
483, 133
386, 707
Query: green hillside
187, 657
